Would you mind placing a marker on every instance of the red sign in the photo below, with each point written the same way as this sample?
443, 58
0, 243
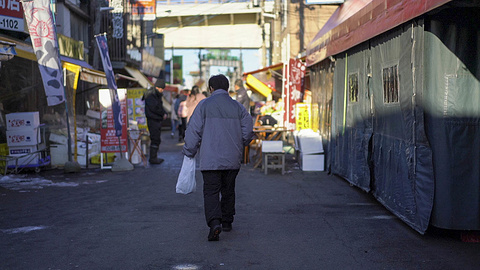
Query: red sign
11, 15
109, 141
11, 8
293, 89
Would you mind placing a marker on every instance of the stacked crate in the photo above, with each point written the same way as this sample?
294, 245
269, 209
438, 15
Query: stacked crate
23, 138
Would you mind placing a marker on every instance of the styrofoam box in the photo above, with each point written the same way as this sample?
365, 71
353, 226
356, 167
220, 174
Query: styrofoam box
58, 154
311, 144
60, 139
23, 137
312, 162
22, 120
93, 114
21, 150
82, 148
272, 146
93, 137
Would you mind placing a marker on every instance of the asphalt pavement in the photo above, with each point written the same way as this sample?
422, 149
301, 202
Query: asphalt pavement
99, 219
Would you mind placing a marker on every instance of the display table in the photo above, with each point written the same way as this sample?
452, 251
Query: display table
265, 133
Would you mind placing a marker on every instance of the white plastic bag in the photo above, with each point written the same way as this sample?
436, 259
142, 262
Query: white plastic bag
186, 182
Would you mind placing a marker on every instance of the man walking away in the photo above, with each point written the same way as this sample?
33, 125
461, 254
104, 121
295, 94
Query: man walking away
155, 114
219, 129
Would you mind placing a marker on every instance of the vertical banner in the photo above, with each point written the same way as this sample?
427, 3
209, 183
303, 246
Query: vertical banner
109, 141
294, 85
117, 18
44, 41
112, 84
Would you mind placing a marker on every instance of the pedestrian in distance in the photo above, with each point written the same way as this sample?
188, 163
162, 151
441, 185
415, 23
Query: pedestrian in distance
192, 101
174, 117
182, 120
182, 115
242, 95
219, 129
155, 114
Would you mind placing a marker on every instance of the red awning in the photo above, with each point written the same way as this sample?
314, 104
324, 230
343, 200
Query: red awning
357, 21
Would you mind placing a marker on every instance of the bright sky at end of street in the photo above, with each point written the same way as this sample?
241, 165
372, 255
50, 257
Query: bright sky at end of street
250, 57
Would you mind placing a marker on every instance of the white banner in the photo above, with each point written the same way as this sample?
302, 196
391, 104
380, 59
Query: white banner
44, 41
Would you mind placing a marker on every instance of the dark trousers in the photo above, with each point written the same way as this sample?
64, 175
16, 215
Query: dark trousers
182, 127
154, 128
216, 183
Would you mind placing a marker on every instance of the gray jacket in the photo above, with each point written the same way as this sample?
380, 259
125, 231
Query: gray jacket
219, 129
243, 98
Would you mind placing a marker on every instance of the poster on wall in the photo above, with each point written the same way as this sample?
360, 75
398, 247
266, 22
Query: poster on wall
109, 141
136, 107
303, 116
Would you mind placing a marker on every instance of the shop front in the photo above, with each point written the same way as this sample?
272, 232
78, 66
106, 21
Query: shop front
398, 95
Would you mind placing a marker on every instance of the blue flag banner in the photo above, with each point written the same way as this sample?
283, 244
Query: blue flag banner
112, 85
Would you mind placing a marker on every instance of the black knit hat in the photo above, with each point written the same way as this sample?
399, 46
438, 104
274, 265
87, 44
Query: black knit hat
160, 83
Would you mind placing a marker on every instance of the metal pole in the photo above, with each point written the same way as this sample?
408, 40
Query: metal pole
262, 26
86, 152
69, 137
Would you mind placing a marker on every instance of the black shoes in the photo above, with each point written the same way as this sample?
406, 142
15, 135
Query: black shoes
214, 233
226, 227
156, 161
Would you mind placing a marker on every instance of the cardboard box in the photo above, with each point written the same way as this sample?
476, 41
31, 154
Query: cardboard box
21, 150
23, 137
312, 162
22, 120
32, 159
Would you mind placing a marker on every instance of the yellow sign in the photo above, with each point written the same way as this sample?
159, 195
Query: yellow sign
303, 116
315, 117
136, 107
